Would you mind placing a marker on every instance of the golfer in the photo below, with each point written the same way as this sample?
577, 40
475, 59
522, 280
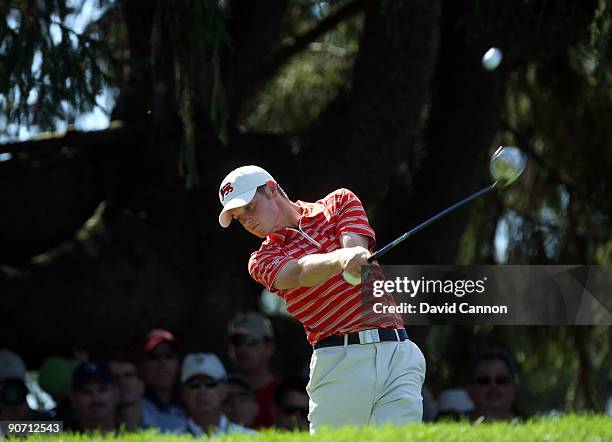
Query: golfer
364, 370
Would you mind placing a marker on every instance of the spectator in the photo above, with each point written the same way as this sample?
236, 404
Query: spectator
14, 405
291, 405
160, 370
94, 399
454, 404
133, 412
13, 390
492, 385
240, 405
250, 349
203, 391
130, 389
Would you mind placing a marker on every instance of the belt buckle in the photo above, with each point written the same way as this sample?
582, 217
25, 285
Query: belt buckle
368, 336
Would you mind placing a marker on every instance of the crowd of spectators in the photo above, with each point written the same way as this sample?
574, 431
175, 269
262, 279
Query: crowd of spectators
157, 387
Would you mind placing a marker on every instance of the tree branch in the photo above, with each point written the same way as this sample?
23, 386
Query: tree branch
379, 116
255, 28
302, 41
553, 172
72, 138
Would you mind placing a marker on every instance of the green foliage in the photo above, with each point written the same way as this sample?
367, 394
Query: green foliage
558, 105
207, 34
568, 428
601, 32
296, 96
199, 36
302, 90
48, 71
293, 99
560, 112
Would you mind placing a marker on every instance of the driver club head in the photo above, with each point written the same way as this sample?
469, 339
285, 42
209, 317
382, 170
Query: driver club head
507, 164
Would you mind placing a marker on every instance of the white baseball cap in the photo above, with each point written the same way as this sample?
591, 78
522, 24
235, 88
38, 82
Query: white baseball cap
238, 189
203, 364
11, 365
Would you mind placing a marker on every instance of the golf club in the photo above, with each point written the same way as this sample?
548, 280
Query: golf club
506, 165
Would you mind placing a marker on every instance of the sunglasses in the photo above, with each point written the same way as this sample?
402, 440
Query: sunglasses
196, 385
499, 380
293, 410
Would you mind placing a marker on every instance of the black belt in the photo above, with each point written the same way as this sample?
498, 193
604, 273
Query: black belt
367, 337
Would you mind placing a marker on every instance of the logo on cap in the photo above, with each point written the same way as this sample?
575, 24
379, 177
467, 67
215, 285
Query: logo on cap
226, 190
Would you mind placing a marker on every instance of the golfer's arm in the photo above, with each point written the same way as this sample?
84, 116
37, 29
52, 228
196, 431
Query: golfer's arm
354, 240
314, 269
309, 270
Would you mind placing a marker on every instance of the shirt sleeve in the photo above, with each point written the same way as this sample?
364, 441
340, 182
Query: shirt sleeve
265, 264
351, 217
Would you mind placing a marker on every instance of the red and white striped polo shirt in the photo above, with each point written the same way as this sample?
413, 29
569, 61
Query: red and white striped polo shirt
333, 307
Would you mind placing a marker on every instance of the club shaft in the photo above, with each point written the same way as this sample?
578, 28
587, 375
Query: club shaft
434, 218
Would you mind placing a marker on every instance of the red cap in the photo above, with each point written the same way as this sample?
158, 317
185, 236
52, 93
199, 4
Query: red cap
157, 336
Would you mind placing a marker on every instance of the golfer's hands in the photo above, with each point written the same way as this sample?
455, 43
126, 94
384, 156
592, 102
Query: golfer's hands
352, 258
316, 268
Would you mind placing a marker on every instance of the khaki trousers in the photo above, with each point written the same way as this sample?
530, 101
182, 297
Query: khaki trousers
366, 384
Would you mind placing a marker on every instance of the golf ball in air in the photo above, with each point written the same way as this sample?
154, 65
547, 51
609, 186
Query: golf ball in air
492, 58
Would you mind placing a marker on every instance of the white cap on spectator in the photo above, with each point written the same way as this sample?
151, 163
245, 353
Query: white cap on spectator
11, 366
454, 399
202, 364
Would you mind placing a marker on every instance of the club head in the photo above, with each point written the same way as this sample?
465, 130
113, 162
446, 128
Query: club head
507, 165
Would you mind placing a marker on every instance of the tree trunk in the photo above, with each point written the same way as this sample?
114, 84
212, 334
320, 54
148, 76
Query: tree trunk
461, 125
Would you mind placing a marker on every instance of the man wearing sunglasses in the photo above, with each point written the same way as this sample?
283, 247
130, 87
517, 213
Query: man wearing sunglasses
251, 345
364, 370
492, 385
203, 391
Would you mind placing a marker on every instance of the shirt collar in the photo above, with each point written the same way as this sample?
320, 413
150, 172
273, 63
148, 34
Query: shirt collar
308, 211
